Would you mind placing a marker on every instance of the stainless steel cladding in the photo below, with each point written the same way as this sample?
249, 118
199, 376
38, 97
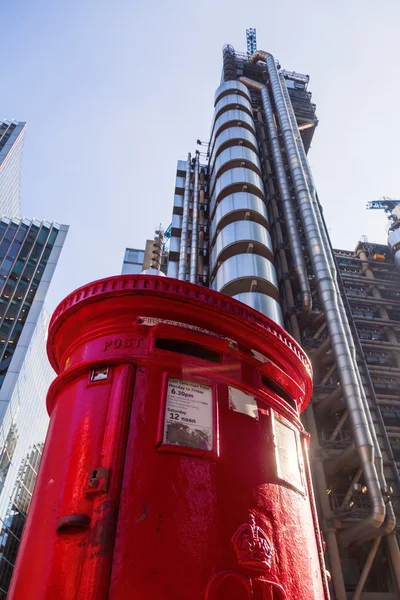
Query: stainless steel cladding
246, 273
230, 102
234, 136
240, 237
185, 218
285, 194
195, 223
238, 207
336, 319
237, 179
230, 87
234, 157
263, 303
241, 259
232, 117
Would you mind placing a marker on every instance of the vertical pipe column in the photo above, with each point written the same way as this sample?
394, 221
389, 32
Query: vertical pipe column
335, 317
389, 522
285, 194
195, 223
294, 326
185, 219
200, 258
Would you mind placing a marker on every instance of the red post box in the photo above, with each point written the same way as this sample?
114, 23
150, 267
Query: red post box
175, 465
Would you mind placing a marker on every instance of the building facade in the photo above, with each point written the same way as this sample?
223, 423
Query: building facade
11, 143
247, 221
154, 256
29, 252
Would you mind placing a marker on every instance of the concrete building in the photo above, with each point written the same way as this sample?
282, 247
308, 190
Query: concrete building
247, 221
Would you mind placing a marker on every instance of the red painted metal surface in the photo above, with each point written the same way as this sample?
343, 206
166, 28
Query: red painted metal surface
181, 471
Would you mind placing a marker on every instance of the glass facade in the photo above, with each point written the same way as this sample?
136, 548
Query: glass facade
133, 261
29, 251
11, 143
22, 433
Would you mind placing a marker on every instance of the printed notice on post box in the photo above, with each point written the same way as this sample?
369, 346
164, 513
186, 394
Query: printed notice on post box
288, 458
189, 414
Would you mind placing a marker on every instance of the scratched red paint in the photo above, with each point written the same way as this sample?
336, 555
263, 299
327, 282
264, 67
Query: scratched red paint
118, 513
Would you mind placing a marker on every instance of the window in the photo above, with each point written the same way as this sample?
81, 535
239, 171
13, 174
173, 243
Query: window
135, 256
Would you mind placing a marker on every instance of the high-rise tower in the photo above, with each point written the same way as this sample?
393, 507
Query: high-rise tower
247, 221
11, 143
29, 252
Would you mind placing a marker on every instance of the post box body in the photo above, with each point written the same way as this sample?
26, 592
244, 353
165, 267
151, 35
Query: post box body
175, 465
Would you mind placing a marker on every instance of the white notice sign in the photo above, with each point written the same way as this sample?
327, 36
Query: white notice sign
243, 403
288, 457
189, 414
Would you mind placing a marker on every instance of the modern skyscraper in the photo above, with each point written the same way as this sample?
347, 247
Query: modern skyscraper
29, 252
247, 221
11, 143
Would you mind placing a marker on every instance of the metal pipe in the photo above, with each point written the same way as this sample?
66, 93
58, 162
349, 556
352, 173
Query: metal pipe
349, 492
394, 553
328, 374
327, 404
200, 258
367, 568
319, 331
390, 322
339, 426
282, 259
386, 371
285, 194
347, 459
379, 345
389, 403
334, 311
195, 223
389, 522
316, 356
185, 218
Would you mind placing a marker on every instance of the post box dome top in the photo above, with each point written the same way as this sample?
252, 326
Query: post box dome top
196, 305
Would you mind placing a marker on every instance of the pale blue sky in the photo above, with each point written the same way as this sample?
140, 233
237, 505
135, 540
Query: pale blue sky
115, 92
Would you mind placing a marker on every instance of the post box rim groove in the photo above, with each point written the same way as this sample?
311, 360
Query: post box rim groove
179, 291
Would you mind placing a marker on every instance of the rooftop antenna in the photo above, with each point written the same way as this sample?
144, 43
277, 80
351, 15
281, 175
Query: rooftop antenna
251, 41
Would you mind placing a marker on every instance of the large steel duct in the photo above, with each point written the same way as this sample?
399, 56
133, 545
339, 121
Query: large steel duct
185, 219
195, 222
284, 190
390, 520
334, 314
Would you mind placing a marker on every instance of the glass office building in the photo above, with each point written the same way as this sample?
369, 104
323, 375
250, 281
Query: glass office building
29, 252
133, 261
22, 433
11, 142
